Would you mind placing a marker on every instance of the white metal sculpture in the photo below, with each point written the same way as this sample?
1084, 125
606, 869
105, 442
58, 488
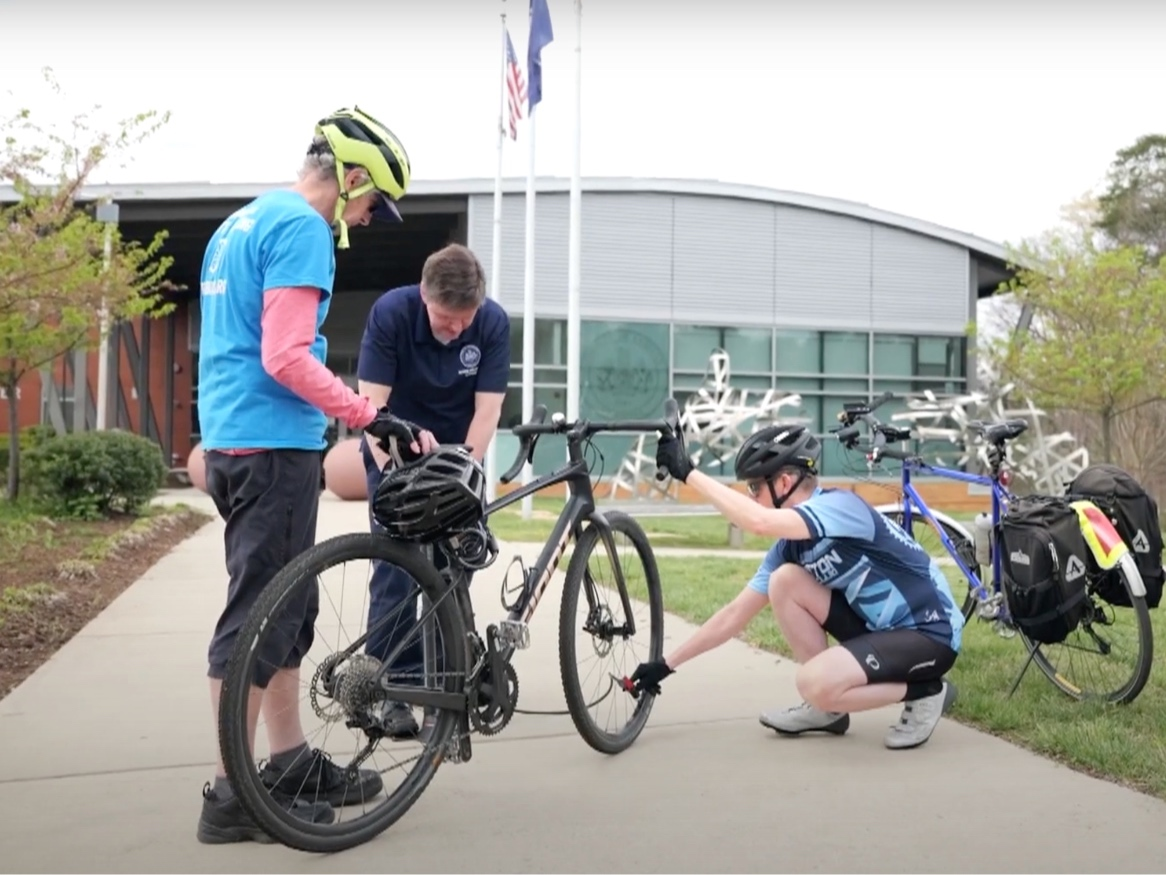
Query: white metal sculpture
1049, 462
717, 418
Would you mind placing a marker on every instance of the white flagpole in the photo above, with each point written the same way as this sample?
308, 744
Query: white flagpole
496, 255
528, 310
575, 234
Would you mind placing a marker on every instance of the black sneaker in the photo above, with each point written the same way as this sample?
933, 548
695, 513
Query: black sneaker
398, 721
224, 820
316, 777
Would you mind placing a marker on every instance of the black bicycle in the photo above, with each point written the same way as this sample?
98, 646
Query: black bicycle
435, 513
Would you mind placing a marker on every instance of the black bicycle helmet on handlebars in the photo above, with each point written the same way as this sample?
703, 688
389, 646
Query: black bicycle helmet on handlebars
442, 492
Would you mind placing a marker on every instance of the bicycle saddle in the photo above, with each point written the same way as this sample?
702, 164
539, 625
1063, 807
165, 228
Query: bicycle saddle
998, 432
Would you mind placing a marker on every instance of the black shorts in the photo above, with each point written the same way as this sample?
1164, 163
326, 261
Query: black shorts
269, 501
890, 656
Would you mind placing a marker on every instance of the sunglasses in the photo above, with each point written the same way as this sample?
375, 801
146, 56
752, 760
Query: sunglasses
754, 487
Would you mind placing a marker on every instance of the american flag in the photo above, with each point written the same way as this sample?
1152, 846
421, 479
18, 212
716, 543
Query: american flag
515, 87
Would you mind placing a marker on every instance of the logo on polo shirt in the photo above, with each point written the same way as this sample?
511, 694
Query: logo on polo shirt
470, 356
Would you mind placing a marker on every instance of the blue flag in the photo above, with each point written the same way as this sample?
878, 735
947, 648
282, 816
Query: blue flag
540, 37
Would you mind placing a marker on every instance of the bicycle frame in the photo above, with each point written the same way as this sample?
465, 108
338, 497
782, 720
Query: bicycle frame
580, 505
513, 632
913, 501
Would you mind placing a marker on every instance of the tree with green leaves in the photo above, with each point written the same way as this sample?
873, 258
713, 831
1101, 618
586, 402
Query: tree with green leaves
1095, 345
56, 282
1133, 206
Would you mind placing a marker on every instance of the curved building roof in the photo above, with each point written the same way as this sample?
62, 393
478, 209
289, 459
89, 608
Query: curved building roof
183, 191
993, 259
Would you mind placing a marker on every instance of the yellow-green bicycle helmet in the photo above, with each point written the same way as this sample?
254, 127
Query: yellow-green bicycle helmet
358, 139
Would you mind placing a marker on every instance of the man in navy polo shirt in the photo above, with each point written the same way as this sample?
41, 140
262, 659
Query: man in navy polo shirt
441, 350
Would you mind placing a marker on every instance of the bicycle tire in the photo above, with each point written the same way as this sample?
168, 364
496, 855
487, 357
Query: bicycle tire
1133, 687
238, 760
577, 704
962, 544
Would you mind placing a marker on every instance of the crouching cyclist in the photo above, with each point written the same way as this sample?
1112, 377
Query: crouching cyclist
840, 567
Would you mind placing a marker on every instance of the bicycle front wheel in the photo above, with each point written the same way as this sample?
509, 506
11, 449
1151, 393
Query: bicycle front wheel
323, 806
1109, 655
595, 604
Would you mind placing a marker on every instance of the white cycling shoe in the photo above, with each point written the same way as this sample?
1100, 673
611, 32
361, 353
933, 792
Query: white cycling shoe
919, 719
805, 718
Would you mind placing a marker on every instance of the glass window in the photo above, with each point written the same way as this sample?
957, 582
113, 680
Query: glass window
692, 346
757, 385
837, 461
853, 390
839, 393
624, 369
749, 349
894, 355
845, 352
941, 357
799, 352
550, 341
799, 384
808, 410
554, 397
553, 376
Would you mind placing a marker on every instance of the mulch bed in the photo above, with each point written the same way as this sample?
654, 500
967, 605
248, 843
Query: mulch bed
63, 573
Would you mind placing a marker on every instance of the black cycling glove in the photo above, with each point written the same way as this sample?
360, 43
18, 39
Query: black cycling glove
648, 675
386, 426
672, 456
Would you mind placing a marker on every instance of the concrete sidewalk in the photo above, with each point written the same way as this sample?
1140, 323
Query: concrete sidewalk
106, 749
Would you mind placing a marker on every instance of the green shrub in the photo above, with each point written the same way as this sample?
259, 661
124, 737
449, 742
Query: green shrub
30, 437
87, 475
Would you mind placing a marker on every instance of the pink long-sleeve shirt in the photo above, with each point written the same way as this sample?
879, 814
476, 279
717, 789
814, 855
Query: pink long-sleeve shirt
288, 330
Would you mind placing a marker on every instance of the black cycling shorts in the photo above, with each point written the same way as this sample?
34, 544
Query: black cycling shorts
890, 656
270, 502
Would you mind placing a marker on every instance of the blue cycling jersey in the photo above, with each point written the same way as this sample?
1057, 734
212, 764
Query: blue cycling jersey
886, 576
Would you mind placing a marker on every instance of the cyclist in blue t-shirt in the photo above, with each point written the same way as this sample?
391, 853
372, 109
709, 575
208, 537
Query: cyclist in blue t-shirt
838, 567
264, 398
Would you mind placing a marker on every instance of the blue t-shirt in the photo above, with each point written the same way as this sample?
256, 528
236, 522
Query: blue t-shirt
276, 240
887, 577
433, 384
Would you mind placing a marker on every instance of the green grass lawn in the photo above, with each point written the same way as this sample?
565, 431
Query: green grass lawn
667, 530
1123, 743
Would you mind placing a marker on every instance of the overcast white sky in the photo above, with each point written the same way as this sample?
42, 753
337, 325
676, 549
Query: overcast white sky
983, 115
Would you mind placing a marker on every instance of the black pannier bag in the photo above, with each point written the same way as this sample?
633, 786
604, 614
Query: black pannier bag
1135, 516
1044, 563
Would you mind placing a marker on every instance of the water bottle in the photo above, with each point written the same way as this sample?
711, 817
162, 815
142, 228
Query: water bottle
982, 537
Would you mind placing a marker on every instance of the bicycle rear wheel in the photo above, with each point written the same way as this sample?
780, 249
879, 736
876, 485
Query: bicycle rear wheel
341, 689
603, 617
1108, 657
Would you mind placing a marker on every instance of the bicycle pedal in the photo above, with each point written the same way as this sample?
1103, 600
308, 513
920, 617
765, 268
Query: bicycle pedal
514, 633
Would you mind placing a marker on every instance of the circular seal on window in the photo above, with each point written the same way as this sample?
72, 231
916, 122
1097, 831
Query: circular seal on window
625, 375
470, 356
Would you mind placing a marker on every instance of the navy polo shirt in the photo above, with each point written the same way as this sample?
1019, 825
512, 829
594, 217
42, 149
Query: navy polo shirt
433, 384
